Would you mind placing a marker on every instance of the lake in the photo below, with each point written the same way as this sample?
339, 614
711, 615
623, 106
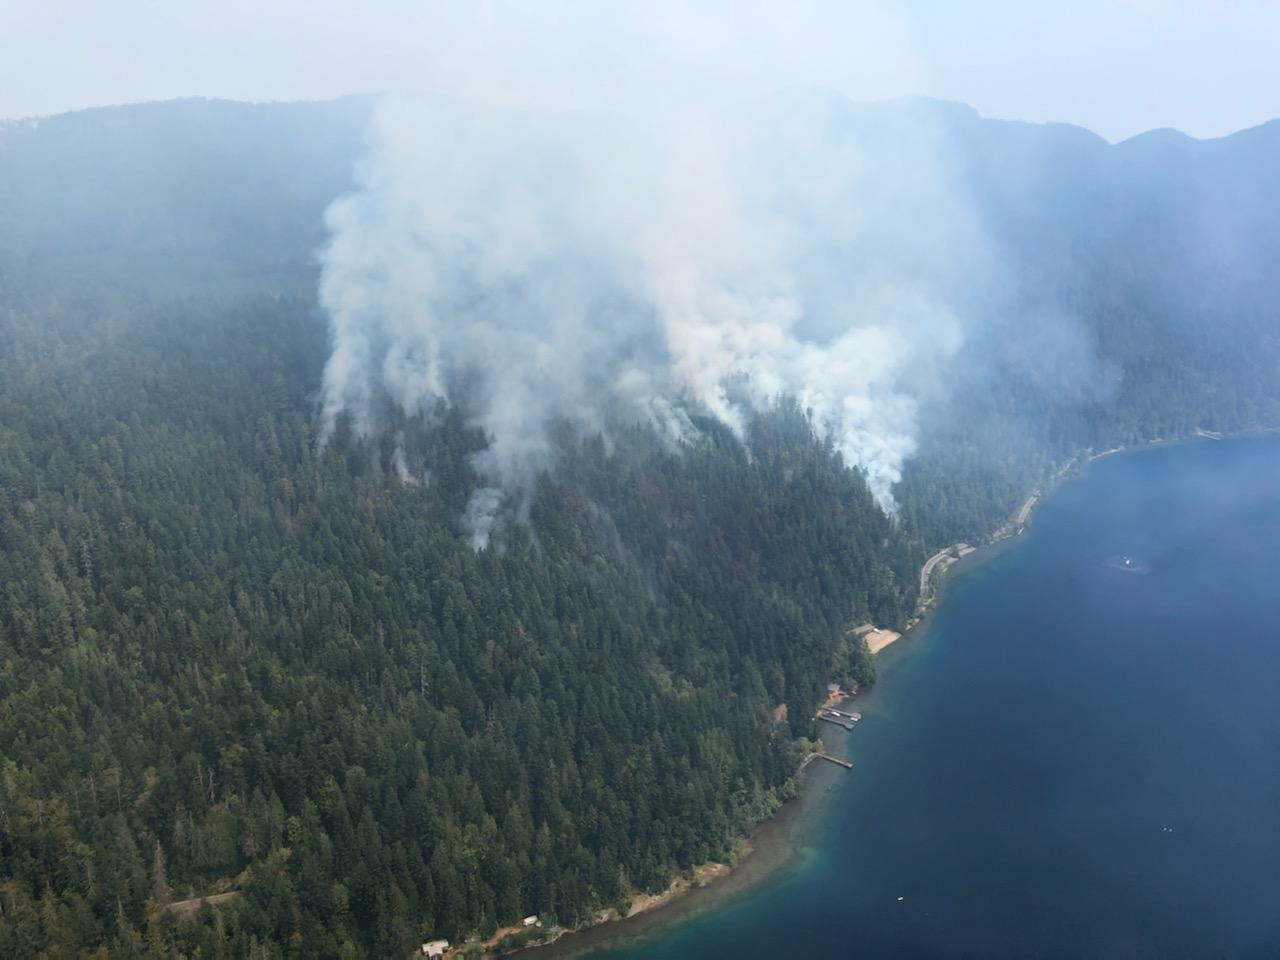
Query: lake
1078, 756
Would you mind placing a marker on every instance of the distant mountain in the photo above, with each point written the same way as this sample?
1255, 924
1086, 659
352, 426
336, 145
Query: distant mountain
164, 195
218, 187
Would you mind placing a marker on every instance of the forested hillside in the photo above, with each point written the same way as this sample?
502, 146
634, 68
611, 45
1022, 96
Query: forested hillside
226, 652
233, 659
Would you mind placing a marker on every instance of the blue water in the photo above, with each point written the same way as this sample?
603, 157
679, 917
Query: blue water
1073, 759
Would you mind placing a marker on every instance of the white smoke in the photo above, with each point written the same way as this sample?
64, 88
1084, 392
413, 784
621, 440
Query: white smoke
481, 517
552, 262
400, 464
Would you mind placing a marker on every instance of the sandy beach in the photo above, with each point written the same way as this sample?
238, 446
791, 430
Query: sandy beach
880, 638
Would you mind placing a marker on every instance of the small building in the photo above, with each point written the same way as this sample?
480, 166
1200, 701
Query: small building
833, 689
530, 921
435, 948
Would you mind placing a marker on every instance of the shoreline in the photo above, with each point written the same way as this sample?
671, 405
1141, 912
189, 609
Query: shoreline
767, 846
568, 940
932, 574
771, 846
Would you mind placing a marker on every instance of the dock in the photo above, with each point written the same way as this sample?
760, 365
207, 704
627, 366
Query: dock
855, 717
836, 760
838, 721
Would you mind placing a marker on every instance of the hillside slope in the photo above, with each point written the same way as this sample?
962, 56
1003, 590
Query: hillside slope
229, 657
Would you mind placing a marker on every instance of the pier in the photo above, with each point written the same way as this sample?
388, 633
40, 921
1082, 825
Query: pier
838, 721
836, 760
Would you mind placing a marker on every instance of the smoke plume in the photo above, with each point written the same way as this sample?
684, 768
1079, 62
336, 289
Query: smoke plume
650, 255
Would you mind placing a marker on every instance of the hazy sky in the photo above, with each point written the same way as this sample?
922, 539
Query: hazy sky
1118, 67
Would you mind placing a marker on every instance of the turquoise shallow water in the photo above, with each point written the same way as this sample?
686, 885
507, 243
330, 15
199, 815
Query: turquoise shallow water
1074, 759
